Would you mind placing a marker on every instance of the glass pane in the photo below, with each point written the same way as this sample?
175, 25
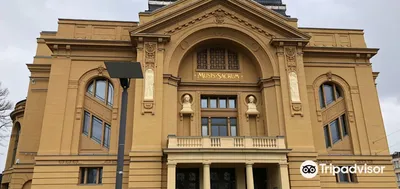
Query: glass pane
204, 130
204, 126
101, 89
110, 99
223, 131
107, 135
97, 129
204, 103
233, 131
213, 103
335, 131
233, 62
100, 175
321, 98
344, 125
82, 176
338, 91
343, 177
329, 94
222, 103
219, 127
91, 176
90, 88
86, 123
233, 126
214, 131
327, 137
232, 103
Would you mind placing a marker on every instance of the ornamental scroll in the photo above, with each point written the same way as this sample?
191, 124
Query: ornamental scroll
149, 77
291, 67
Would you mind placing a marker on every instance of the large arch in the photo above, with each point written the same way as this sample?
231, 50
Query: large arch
255, 46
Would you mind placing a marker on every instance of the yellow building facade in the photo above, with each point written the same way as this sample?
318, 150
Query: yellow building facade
234, 95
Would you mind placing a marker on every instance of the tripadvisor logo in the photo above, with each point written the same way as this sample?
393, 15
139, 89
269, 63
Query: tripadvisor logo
309, 169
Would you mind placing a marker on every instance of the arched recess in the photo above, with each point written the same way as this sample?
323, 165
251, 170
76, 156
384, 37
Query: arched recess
16, 131
261, 53
83, 83
27, 185
326, 115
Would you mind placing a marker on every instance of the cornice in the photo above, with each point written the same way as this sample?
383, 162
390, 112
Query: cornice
39, 67
18, 110
269, 82
279, 42
342, 51
171, 80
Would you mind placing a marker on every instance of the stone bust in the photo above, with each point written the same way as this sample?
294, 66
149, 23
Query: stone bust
186, 104
251, 105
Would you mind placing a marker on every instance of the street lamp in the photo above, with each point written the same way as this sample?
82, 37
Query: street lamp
124, 71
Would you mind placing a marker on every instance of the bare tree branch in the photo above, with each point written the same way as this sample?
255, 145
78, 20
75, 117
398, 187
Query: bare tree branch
5, 107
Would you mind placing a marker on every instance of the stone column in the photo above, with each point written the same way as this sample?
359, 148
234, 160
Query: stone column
249, 176
171, 181
284, 175
206, 176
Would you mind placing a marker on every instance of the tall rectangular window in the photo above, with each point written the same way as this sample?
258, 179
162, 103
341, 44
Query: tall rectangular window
233, 124
86, 123
107, 136
335, 131
97, 129
204, 126
327, 137
344, 125
91, 175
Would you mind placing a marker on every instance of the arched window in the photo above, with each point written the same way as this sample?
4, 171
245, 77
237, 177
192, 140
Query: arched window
217, 59
337, 128
16, 133
329, 93
101, 89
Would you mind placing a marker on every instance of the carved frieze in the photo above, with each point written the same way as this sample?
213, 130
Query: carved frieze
149, 77
221, 16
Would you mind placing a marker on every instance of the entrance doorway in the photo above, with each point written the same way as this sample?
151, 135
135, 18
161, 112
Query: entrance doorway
187, 178
223, 178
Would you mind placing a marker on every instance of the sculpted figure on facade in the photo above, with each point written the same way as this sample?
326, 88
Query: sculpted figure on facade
294, 87
149, 85
187, 105
251, 106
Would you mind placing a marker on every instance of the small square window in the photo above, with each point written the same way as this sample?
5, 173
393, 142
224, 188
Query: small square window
345, 177
232, 103
213, 103
91, 175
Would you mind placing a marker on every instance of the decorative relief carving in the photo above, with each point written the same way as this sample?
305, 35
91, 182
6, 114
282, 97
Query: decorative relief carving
294, 87
329, 75
100, 70
220, 17
150, 49
148, 107
291, 59
149, 85
297, 109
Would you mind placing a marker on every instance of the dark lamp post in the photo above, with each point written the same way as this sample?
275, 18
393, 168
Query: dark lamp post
124, 71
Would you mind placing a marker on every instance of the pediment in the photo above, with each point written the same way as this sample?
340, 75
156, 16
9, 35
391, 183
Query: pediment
184, 14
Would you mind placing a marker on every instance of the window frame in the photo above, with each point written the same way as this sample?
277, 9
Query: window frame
336, 90
340, 126
352, 178
83, 179
218, 112
90, 129
227, 66
93, 95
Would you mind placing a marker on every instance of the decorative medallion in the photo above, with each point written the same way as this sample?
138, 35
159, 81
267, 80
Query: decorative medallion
150, 49
219, 16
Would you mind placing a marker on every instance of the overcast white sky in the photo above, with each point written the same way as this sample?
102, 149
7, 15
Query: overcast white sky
21, 21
